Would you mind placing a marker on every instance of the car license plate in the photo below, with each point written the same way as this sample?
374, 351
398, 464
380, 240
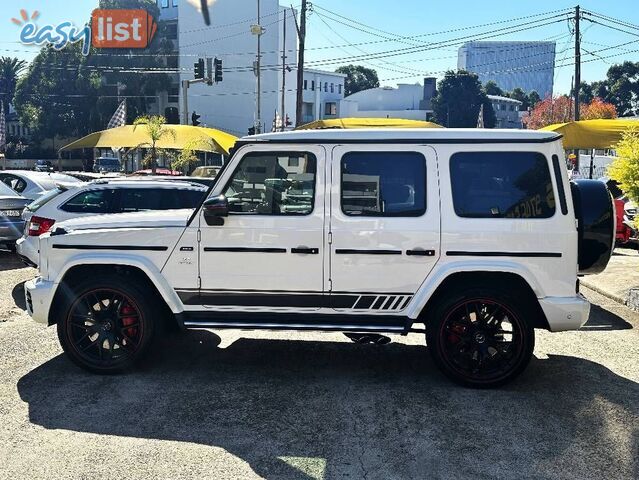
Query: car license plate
10, 213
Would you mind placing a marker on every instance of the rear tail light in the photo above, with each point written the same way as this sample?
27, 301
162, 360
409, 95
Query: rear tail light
39, 225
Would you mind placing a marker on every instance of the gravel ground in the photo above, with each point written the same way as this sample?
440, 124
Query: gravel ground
309, 405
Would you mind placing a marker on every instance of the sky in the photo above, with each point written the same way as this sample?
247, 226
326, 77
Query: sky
420, 23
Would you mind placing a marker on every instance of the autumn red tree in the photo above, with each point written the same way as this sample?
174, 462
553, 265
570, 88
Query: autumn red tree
560, 110
598, 109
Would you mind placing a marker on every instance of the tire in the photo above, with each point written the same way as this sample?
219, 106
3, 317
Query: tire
480, 337
107, 324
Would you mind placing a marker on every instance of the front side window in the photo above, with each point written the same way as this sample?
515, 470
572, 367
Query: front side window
383, 184
91, 201
501, 185
273, 183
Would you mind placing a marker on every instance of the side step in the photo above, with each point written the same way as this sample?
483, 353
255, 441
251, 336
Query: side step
294, 321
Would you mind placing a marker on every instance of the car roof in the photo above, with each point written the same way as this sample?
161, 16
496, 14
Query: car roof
145, 183
407, 135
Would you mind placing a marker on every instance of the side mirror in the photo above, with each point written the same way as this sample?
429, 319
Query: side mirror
215, 209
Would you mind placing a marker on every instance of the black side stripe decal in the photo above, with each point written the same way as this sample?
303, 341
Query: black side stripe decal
352, 251
458, 253
244, 249
151, 248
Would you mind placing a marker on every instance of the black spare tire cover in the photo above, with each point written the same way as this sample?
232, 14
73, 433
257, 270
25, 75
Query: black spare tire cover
594, 210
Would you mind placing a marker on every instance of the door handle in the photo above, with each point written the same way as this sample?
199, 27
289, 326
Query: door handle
305, 250
418, 252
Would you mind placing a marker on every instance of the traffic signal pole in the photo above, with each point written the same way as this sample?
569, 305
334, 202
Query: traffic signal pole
300, 65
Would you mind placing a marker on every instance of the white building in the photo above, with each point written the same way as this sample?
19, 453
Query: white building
409, 101
322, 94
506, 111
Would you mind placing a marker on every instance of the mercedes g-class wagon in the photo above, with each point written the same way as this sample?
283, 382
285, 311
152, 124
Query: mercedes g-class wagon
475, 234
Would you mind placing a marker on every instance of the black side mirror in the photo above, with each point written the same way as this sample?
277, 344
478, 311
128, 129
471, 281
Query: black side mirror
215, 209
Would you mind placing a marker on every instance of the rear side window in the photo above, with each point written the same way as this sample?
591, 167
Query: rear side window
90, 201
501, 185
383, 184
139, 199
44, 199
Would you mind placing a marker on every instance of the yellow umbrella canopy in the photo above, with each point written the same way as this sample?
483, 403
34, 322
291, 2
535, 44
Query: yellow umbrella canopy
586, 134
368, 123
133, 136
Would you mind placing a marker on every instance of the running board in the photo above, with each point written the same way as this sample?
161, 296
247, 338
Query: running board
294, 321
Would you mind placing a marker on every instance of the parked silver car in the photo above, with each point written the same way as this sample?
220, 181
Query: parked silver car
11, 223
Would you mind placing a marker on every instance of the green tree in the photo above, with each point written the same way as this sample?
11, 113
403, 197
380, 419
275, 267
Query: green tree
458, 100
491, 88
10, 70
586, 94
358, 78
625, 167
156, 130
533, 98
519, 94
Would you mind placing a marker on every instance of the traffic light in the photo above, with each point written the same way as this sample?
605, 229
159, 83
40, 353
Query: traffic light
209, 71
195, 119
218, 70
199, 69
251, 131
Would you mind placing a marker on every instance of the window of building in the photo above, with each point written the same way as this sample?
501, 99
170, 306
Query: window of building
501, 185
280, 183
313, 85
171, 30
339, 88
305, 84
332, 88
326, 86
330, 108
165, 3
383, 184
175, 3
174, 94
92, 201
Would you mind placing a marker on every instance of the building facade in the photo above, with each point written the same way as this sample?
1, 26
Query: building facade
527, 65
409, 101
506, 111
322, 94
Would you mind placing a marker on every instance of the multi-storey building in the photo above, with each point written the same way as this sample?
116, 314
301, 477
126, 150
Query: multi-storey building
527, 65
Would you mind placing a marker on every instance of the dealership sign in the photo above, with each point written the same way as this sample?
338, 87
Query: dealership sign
109, 28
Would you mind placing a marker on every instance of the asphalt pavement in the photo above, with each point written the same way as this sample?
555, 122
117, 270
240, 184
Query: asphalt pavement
237, 404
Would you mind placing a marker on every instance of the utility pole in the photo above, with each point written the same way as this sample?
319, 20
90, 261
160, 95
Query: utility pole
577, 62
185, 102
282, 112
300, 65
258, 128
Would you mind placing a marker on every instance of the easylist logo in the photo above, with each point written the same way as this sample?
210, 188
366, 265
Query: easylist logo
122, 28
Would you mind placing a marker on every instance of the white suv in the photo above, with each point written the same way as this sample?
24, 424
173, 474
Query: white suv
474, 233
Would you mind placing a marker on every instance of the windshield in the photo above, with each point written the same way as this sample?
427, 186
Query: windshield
45, 198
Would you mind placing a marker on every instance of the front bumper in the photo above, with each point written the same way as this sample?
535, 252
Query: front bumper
38, 295
565, 313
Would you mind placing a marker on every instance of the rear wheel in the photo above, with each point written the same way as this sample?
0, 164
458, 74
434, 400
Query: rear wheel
106, 324
480, 338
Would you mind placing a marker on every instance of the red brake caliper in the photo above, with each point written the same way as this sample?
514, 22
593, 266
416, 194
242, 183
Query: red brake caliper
129, 310
455, 330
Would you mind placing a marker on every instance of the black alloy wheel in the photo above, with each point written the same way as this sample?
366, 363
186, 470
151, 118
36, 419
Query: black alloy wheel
106, 328
481, 340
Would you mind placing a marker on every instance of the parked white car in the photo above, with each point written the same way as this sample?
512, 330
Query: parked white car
32, 184
101, 197
477, 234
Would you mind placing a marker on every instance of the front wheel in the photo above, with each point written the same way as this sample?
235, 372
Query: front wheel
480, 338
106, 324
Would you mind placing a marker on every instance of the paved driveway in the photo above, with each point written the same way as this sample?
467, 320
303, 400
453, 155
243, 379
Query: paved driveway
300, 406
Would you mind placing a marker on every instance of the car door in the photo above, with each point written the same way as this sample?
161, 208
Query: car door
384, 225
269, 253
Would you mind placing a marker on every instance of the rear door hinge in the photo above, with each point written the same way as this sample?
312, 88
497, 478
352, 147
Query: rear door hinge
330, 285
199, 235
199, 282
330, 238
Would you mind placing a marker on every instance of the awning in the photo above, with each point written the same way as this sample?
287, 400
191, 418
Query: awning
130, 136
368, 123
586, 134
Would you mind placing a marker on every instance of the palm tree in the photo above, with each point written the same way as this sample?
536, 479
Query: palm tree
156, 129
10, 69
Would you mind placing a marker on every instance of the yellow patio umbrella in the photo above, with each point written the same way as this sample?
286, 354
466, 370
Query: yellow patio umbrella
131, 136
587, 134
368, 123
